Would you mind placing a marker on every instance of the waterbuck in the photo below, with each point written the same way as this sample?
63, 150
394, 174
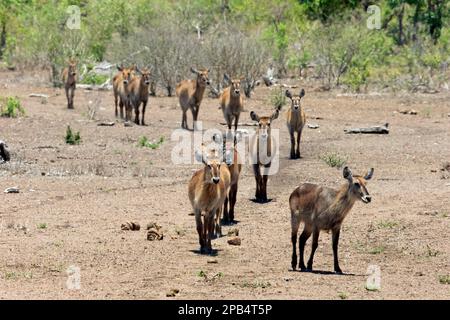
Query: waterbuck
322, 208
121, 92
295, 121
190, 95
69, 78
138, 93
232, 102
231, 157
262, 152
207, 191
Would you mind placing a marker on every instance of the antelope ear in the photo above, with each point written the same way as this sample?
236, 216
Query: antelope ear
275, 114
137, 69
199, 156
120, 68
347, 173
226, 77
193, 70
302, 93
254, 116
288, 94
208, 70
369, 174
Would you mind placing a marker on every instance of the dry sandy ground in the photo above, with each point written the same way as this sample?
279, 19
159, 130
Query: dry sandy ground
74, 199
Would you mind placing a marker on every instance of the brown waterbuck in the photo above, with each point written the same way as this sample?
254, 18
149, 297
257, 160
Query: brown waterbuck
121, 92
190, 95
207, 191
231, 101
322, 208
69, 78
262, 152
231, 156
295, 121
138, 93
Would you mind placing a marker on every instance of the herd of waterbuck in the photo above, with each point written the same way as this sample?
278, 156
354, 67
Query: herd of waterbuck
213, 189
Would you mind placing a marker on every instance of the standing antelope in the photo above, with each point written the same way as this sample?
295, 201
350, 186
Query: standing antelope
121, 93
322, 208
207, 191
232, 159
69, 77
295, 121
190, 95
232, 102
138, 93
263, 151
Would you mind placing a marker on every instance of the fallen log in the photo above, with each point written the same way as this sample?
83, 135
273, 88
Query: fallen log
375, 129
39, 95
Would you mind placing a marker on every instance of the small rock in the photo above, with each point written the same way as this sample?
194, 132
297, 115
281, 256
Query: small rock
235, 241
12, 190
127, 124
313, 126
212, 261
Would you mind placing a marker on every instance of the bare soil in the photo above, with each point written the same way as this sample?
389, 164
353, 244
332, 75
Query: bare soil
74, 199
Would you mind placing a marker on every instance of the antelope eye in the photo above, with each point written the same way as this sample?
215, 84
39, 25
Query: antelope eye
209, 166
357, 185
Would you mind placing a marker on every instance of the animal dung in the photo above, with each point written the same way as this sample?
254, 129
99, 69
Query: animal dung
172, 293
233, 232
411, 111
235, 241
153, 225
132, 226
153, 235
154, 232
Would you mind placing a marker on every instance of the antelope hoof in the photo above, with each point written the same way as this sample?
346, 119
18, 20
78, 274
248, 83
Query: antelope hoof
294, 263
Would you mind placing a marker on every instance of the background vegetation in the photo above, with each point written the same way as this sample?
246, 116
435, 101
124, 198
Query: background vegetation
326, 41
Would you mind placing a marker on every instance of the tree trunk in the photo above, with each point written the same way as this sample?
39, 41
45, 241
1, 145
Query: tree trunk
3, 39
400, 25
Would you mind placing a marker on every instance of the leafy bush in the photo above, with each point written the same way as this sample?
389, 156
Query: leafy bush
144, 142
11, 107
334, 160
95, 79
72, 138
278, 98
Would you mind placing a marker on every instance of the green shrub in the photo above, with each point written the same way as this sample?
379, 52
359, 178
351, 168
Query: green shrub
95, 79
72, 138
334, 160
278, 98
144, 142
11, 107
